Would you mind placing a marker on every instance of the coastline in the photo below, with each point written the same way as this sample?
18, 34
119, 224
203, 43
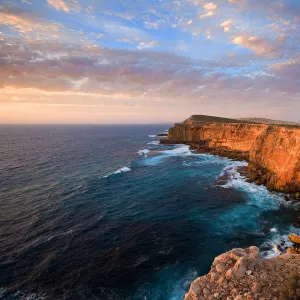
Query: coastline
248, 276
272, 152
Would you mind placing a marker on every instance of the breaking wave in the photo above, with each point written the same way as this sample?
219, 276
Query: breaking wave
278, 242
155, 143
180, 150
143, 152
122, 170
263, 197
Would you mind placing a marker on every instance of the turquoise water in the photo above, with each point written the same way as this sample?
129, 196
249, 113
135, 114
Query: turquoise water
105, 212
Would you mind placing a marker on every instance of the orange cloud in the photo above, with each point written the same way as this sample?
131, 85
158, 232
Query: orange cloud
261, 45
209, 7
208, 14
86, 70
226, 25
26, 24
65, 5
33, 27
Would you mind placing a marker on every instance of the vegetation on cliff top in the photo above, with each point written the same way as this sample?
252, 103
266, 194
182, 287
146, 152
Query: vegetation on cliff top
213, 119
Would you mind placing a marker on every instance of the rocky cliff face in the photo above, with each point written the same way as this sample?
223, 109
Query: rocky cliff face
241, 274
273, 152
275, 159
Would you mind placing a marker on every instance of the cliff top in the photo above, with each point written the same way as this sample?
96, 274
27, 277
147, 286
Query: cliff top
214, 119
269, 121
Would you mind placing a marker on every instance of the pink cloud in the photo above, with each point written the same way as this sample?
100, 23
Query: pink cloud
260, 45
65, 5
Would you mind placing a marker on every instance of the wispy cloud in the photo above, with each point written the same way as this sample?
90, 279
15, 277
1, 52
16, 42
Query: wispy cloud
65, 5
261, 45
33, 26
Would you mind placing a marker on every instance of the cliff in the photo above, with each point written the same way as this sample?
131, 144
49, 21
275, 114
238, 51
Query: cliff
241, 274
273, 152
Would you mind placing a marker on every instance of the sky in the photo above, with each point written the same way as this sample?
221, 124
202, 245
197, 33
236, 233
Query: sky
148, 61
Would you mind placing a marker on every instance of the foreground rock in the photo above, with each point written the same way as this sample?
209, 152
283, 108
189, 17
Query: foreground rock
295, 239
273, 152
241, 274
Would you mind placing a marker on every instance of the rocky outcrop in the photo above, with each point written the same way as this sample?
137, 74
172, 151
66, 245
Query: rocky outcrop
273, 152
241, 274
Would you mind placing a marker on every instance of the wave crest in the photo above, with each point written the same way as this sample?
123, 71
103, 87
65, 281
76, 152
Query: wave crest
143, 152
121, 170
156, 143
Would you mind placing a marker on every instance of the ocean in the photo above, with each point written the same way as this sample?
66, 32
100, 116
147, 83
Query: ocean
106, 212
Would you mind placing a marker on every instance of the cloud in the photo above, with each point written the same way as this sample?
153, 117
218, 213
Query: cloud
67, 6
121, 31
99, 35
89, 10
274, 8
208, 14
209, 7
261, 45
151, 44
87, 69
32, 26
125, 41
288, 69
129, 16
44, 62
226, 25
26, 23
153, 25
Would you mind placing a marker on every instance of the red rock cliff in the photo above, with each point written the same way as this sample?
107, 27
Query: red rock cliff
273, 152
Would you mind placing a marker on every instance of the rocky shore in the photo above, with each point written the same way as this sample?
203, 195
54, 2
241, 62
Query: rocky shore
241, 274
273, 151
273, 155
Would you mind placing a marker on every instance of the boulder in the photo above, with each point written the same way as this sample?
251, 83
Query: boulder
292, 251
294, 238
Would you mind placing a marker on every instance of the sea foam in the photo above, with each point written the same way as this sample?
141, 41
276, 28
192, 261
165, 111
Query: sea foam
122, 170
181, 150
273, 242
153, 143
143, 151
259, 194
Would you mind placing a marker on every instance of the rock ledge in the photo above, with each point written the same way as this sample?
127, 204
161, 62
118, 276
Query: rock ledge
241, 274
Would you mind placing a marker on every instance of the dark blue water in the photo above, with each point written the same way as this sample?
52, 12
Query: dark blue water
104, 212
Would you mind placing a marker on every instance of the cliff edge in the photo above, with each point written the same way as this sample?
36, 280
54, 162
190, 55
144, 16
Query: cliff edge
241, 274
273, 151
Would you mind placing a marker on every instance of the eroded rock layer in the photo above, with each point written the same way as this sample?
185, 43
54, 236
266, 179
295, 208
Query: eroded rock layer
273, 152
